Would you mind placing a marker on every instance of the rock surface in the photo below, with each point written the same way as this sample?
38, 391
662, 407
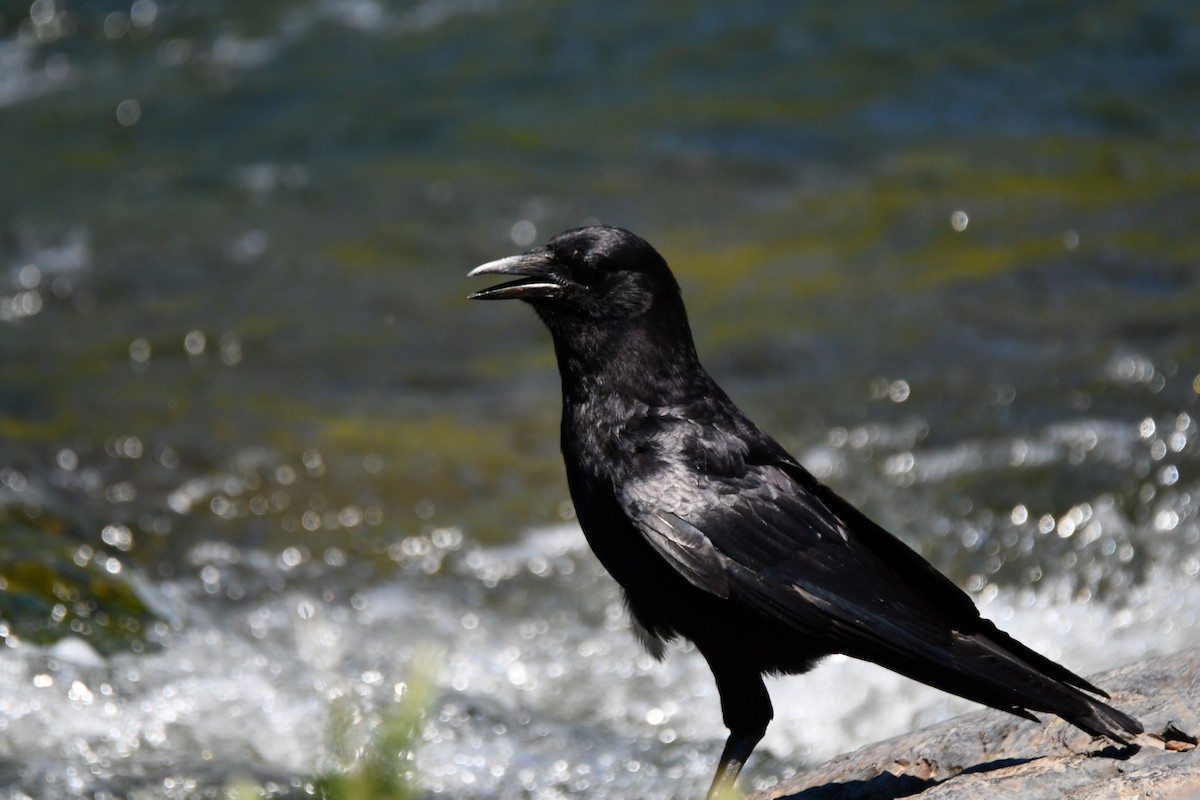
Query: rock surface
993, 754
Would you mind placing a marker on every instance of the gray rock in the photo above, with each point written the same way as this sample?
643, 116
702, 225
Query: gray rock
993, 754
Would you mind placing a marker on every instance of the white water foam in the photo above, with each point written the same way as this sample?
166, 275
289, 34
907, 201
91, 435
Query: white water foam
543, 690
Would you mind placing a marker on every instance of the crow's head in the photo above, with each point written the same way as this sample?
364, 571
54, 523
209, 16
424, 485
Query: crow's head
587, 275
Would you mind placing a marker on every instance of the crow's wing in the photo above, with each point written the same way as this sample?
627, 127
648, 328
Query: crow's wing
772, 537
767, 541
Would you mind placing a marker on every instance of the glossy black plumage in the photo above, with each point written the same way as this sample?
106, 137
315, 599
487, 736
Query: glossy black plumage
718, 535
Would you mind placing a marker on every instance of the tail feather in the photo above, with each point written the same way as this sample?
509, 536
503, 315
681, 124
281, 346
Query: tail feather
1104, 720
992, 668
1007, 670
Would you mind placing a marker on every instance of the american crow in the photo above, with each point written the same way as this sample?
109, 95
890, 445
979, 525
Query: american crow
718, 535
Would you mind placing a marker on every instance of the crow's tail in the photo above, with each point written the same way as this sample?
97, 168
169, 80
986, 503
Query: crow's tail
991, 667
1054, 688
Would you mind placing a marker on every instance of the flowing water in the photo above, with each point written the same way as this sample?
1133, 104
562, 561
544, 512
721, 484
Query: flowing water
260, 459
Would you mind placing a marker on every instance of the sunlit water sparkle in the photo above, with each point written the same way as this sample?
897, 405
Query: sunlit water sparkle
542, 689
258, 456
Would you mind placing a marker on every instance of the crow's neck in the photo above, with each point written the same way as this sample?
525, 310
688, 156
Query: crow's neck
632, 366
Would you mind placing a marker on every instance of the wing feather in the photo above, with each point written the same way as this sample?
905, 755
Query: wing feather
686, 546
779, 547
794, 550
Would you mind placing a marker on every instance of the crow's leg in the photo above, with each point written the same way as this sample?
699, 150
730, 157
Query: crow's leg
746, 708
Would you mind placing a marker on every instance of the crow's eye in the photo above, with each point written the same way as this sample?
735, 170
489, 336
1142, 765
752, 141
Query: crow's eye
589, 275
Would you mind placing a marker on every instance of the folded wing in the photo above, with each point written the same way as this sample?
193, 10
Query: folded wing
775, 539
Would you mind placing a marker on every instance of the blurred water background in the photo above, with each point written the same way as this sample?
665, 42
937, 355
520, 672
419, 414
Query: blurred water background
257, 451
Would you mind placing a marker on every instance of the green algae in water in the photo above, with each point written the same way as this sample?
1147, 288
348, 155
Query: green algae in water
54, 585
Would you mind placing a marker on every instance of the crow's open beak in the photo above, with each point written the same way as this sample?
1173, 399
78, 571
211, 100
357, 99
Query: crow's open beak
536, 278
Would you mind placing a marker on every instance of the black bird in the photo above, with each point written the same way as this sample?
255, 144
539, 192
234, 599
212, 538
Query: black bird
718, 535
